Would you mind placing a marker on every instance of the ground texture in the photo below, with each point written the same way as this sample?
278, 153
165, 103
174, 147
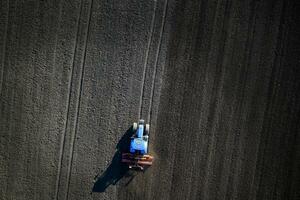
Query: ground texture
218, 80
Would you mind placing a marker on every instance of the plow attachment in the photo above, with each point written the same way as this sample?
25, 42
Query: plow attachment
137, 161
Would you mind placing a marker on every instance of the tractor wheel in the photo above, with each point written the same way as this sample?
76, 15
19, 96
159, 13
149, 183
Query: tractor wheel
134, 126
147, 129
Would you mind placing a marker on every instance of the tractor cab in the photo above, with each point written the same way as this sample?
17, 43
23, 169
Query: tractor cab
139, 142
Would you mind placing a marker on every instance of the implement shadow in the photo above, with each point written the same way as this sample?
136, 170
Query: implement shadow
116, 170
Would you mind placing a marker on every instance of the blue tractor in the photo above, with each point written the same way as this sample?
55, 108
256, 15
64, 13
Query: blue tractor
138, 151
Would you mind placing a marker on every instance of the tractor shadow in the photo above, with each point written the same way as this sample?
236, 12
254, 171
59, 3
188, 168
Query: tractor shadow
116, 170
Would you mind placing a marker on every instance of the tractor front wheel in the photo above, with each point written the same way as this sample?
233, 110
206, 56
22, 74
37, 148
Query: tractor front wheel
147, 129
134, 126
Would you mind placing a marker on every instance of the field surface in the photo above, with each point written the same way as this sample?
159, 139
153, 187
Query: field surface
218, 81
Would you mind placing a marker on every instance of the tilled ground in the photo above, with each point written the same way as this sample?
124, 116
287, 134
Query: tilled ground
217, 80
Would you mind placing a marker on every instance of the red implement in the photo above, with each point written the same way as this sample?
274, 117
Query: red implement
136, 160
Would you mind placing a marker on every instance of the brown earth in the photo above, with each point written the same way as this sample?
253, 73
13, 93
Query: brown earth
218, 80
